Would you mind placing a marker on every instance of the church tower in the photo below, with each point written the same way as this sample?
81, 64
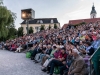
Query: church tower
93, 12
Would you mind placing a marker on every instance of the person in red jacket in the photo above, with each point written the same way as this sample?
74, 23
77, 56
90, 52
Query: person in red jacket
57, 62
13, 47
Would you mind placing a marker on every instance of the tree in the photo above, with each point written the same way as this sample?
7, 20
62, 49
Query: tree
31, 30
20, 31
55, 26
79, 24
7, 19
1, 2
82, 23
49, 27
12, 33
42, 27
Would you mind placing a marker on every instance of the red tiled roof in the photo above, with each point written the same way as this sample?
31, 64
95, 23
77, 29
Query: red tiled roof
65, 25
73, 22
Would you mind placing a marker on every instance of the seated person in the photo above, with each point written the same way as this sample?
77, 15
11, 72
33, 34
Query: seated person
19, 48
67, 63
54, 54
81, 48
45, 52
96, 43
39, 56
13, 47
78, 66
57, 62
44, 58
37, 49
7, 46
89, 48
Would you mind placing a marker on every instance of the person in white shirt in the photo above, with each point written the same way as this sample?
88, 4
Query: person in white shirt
19, 48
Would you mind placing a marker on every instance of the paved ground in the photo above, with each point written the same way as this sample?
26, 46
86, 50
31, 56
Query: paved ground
17, 64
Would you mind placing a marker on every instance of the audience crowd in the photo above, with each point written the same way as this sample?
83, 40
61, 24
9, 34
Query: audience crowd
67, 50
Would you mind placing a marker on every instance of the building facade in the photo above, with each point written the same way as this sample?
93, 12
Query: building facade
36, 24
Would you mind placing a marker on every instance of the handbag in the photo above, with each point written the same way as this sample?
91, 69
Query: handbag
28, 55
56, 70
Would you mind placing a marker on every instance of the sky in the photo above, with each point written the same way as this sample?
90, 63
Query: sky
63, 10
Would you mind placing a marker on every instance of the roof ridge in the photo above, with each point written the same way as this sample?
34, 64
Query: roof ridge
85, 19
45, 18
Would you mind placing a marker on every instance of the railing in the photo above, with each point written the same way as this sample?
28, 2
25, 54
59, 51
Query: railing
94, 63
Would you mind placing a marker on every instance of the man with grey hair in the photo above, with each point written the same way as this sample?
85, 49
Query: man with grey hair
78, 65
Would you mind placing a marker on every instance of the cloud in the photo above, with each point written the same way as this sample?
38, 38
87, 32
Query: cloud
72, 15
63, 10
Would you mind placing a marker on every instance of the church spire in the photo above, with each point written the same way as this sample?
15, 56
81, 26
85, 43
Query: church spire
93, 4
93, 12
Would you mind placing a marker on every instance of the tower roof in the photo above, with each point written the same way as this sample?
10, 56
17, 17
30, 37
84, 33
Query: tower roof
93, 9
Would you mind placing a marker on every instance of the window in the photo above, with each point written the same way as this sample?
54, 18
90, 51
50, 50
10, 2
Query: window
38, 21
52, 21
26, 28
37, 29
41, 21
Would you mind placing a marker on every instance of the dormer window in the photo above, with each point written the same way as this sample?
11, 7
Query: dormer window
52, 21
38, 21
41, 21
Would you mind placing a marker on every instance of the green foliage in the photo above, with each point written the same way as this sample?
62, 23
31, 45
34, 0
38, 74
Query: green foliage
7, 19
12, 33
49, 27
55, 26
20, 31
42, 27
1, 2
31, 30
82, 23
76, 25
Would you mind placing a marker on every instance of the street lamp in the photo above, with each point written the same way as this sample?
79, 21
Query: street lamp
23, 14
27, 14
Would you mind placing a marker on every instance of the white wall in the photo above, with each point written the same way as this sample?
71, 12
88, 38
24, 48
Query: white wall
37, 25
